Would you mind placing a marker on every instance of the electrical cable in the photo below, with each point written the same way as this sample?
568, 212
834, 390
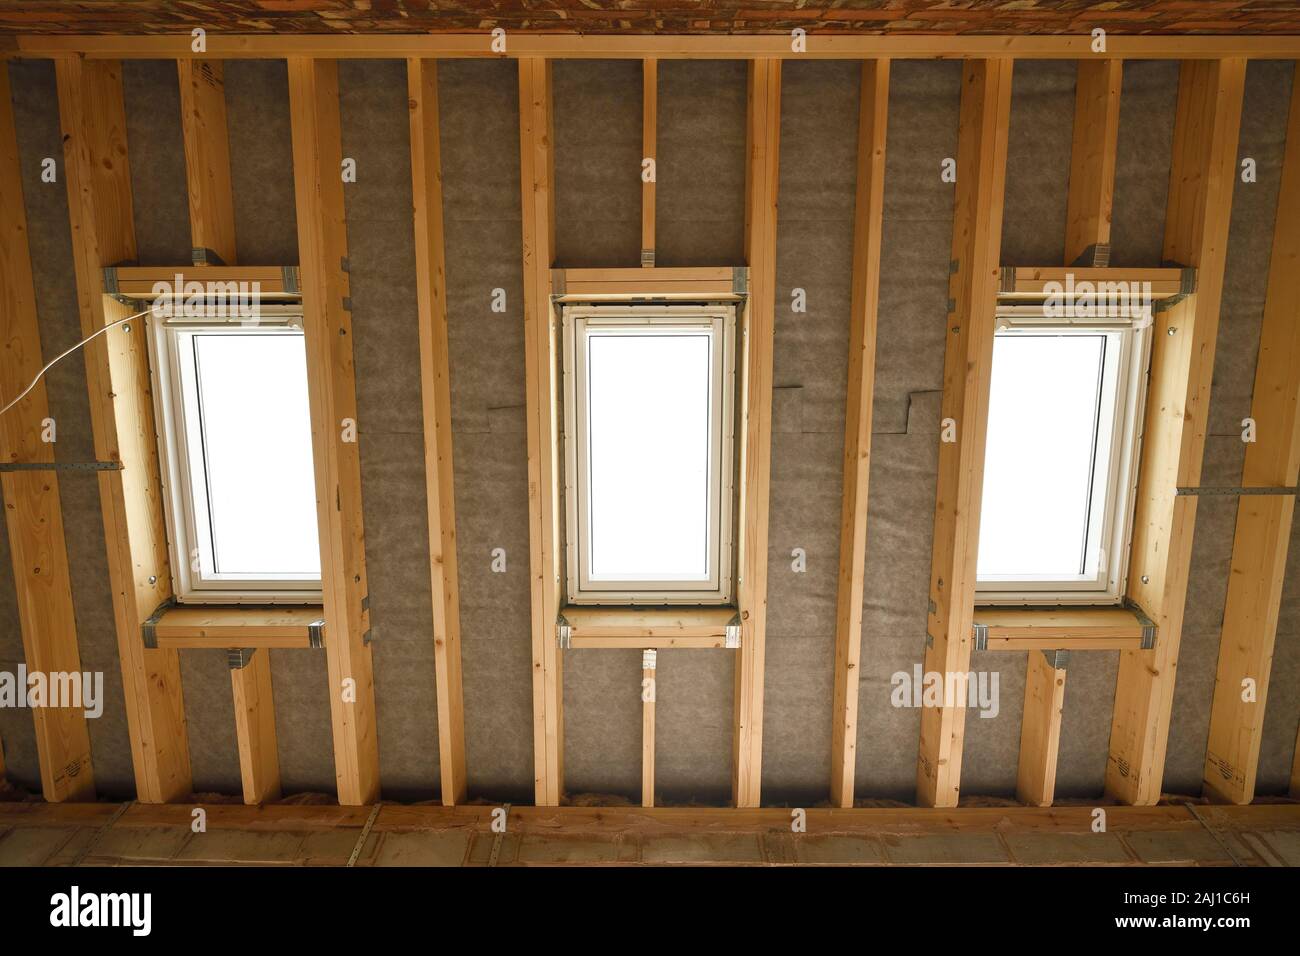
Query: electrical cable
49, 365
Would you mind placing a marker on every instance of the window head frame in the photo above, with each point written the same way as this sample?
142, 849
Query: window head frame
581, 321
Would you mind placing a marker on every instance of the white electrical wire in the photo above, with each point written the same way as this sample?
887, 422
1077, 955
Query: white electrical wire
49, 365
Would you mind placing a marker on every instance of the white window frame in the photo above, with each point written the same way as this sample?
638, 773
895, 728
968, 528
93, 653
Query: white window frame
1132, 331
719, 319
168, 335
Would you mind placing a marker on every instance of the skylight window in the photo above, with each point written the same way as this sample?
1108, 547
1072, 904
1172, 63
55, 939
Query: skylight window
235, 427
648, 440
1060, 459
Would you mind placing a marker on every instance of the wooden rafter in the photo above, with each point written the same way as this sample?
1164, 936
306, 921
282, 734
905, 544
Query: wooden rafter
327, 327
1040, 728
1092, 162
649, 150
536, 175
259, 760
762, 156
649, 690
207, 160
1263, 531
435, 391
93, 121
1177, 409
977, 231
33, 513
868, 217
525, 45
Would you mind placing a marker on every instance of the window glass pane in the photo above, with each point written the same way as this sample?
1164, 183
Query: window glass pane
256, 434
1040, 458
648, 455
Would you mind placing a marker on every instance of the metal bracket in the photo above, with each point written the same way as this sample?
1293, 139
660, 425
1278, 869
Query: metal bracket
110, 279
732, 638
563, 633
289, 275
149, 629
1148, 625
1187, 285
316, 633
929, 640
647, 258
932, 607
1096, 256
740, 280
649, 659
201, 256
981, 635
1237, 491
1006, 280
1057, 658
237, 658
557, 282
61, 466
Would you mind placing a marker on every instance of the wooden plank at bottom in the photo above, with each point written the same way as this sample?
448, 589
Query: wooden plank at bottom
1040, 729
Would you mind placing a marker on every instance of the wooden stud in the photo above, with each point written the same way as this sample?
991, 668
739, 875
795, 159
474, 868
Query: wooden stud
207, 159
93, 121
1263, 532
977, 231
649, 688
259, 760
1177, 408
736, 46
759, 319
649, 150
435, 391
327, 328
868, 216
541, 382
33, 513
1092, 162
1040, 728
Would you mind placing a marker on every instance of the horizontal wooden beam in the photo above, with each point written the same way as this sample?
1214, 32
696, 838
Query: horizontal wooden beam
143, 281
237, 626
1038, 281
663, 46
584, 284
1088, 628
